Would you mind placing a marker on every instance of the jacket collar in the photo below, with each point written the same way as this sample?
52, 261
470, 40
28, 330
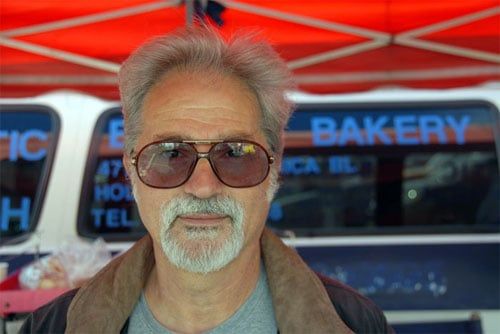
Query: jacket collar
301, 303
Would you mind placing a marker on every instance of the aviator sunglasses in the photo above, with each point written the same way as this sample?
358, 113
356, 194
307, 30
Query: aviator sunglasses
237, 164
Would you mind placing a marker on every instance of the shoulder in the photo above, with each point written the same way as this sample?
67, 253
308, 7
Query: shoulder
50, 318
357, 311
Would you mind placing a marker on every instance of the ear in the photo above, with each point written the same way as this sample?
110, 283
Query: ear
127, 165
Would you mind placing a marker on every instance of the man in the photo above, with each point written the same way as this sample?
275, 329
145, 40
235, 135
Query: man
204, 124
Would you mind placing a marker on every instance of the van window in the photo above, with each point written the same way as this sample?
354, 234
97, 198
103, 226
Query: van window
383, 168
347, 169
28, 137
107, 208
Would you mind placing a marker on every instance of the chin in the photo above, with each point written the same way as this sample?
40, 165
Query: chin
201, 249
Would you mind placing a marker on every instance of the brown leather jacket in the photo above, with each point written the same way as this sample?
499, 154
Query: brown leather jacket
303, 301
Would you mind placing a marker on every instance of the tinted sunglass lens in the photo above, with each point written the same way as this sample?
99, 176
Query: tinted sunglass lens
165, 165
240, 164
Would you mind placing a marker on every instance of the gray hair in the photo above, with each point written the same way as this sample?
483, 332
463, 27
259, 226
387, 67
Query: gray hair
202, 49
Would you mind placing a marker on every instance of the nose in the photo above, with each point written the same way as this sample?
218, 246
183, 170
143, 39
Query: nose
203, 182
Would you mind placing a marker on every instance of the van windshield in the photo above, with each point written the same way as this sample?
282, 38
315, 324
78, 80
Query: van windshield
28, 136
402, 168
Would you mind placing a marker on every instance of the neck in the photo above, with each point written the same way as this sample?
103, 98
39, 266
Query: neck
186, 302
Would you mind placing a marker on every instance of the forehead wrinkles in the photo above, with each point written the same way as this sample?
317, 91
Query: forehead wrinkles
209, 122
202, 115
204, 106
188, 86
197, 129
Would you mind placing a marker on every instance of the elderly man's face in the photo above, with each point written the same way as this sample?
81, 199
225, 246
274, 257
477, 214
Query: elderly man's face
203, 224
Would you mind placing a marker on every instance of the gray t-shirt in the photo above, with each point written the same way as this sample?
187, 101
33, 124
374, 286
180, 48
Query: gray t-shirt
256, 315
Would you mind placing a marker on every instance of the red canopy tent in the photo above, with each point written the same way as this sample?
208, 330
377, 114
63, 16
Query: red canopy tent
332, 46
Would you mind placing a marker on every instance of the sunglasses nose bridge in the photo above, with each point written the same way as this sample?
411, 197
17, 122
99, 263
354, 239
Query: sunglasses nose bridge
203, 181
202, 155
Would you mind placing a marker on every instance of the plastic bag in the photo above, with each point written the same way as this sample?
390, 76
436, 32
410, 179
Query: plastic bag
70, 266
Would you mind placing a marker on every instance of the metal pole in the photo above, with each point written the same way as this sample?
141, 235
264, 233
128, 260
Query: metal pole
189, 12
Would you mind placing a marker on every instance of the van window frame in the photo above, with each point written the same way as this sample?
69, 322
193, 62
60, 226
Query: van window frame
41, 189
85, 203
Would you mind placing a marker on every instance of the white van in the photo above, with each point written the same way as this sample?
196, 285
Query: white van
394, 192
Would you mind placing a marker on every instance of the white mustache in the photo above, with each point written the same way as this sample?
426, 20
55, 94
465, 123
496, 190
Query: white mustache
189, 204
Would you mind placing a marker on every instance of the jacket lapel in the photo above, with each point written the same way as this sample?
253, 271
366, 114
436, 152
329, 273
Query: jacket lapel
104, 303
301, 303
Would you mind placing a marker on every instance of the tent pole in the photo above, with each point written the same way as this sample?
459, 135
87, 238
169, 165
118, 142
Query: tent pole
189, 12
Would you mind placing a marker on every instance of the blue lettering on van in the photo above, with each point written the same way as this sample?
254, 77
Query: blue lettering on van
341, 165
300, 166
375, 129
431, 124
275, 212
21, 214
350, 132
114, 192
18, 144
112, 218
408, 130
110, 167
459, 127
116, 133
323, 131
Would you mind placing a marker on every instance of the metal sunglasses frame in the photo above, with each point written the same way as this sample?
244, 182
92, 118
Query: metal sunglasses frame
202, 155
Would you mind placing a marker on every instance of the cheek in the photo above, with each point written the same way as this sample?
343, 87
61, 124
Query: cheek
257, 208
149, 202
